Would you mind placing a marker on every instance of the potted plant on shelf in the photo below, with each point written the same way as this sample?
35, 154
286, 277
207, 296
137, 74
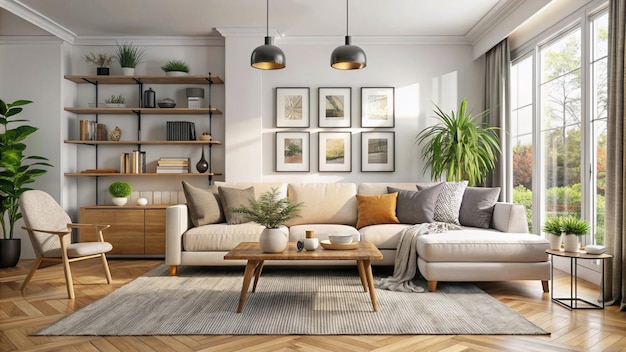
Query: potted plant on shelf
554, 228
175, 68
573, 227
115, 101
129, 56
460, 146
120, 191
273, 213
16, 170
102, 62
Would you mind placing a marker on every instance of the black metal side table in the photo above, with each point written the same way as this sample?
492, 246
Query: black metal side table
571, 302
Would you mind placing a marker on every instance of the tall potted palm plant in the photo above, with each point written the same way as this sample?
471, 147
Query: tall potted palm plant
16, 170
459, 146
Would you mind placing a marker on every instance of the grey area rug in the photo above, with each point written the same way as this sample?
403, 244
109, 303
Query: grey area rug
202, 300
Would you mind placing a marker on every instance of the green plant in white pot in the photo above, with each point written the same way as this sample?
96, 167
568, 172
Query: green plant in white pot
175, 68
129, 56
119, 192
554, 228
272, 212
459, 146
573, 227
16, 171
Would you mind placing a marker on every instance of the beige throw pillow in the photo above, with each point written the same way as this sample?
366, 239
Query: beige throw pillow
235, 198
204, 205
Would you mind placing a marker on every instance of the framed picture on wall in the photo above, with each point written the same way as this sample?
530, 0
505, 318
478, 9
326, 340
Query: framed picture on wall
377, 107
292, 107
335, 107
377, 151
335, 151
292, 151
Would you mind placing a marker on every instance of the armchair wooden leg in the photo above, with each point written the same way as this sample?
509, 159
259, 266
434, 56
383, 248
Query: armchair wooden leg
105, 264
32, 272
544, 284
68, 277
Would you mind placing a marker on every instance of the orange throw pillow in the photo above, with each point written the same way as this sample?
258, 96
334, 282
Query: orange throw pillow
377, 209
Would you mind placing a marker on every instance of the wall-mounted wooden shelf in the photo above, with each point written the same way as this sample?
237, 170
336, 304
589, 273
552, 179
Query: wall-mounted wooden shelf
146, 174
191, 79
141, 142
144, 111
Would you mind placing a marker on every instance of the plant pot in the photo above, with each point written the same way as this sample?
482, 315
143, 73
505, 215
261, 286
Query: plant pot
555, 241
102, 71
10, 251
128, 71
273, 240
119, 200
570, 243
176, 73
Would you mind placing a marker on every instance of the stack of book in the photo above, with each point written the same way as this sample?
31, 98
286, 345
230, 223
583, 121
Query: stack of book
180, 131
133, 163
172, 165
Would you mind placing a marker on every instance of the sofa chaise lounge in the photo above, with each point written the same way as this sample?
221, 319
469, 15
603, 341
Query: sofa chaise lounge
492, 244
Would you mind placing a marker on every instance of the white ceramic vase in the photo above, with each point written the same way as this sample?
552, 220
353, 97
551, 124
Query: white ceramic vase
570, 243
128, 71
273, 240
311, 244
555, 241
119, 200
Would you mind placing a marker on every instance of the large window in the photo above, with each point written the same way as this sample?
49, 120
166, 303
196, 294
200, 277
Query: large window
558, 129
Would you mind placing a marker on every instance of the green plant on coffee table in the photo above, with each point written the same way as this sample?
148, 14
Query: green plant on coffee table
574, 226
129, 55
554, 226
175, 65
269, 210
100, 59
120, 189
115, 99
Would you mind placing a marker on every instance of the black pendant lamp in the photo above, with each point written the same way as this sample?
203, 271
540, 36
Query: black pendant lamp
268, 56
348, 57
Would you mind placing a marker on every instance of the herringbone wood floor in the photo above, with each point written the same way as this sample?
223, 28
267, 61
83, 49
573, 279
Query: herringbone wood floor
44, 302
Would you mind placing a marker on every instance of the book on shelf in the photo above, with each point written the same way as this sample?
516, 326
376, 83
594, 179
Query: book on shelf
180, 131
133, 163
172, 165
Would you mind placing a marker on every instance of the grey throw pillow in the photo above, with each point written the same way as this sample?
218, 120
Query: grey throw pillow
235, 198
449, 201
477, 206
416, 207
204, 205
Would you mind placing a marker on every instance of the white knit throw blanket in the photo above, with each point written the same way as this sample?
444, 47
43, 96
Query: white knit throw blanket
405, 265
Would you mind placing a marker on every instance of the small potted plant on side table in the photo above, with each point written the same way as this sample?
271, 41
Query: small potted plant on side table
573, 227
554, 229
273, 213
120, 191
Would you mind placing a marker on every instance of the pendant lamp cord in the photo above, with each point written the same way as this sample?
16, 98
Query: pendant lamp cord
267, 18
346, 17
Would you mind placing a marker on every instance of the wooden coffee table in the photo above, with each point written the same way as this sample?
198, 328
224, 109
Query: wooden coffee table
250, 251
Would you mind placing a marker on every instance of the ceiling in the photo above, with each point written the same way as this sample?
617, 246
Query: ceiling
291, 18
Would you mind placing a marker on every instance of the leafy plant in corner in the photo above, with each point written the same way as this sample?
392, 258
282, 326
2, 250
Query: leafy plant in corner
129, 55
575, 226
120, 189
269, 210
554, 226
460, 146
16, 169
175, 65
100, 59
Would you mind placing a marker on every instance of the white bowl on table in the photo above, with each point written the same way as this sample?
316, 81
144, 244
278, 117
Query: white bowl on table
342, 238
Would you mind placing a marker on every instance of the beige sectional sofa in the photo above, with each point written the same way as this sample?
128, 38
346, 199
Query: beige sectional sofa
499, 249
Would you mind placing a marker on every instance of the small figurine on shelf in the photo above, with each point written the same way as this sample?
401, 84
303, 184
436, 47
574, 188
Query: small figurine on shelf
115, 134
205, 136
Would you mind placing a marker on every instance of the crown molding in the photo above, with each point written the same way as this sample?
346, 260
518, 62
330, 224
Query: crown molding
30, 40
497, 14
19, 9
248, 32
376, 40
151, 41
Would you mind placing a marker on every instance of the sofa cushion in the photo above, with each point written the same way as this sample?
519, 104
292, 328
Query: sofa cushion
384, 236
220, 237
235, 198
449, 201
376, 209
416, 207
204, 204
324, 203
480, 245
477, 206
259, 187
